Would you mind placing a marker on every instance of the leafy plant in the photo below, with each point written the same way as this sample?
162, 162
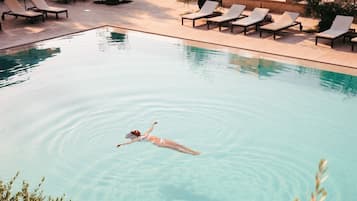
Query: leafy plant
24, 194
312, 7
328, 11
200, 3
320, 194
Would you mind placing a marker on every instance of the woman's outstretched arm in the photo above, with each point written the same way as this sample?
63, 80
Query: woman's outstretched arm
149, 130
125, 143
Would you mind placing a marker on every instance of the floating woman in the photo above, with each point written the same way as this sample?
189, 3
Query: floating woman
136, 136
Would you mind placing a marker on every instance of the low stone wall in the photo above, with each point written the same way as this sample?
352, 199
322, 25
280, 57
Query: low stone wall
274, 6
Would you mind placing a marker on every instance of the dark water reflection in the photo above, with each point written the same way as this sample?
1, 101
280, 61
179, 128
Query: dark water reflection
111, 39
13, 66
198, 56
346, 84
264, 68
257, 66
19, 63
117, 37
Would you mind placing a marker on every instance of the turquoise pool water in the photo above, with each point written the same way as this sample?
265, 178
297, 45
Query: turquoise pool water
261, 125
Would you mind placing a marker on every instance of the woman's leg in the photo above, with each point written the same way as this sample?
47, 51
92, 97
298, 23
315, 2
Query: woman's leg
173, 145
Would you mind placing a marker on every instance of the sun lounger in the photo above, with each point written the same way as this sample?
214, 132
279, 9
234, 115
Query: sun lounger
255, 18
206, 11
339, 28
286, 20
17, 10
234, 13
42, 6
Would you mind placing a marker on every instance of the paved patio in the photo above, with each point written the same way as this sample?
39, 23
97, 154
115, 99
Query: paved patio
163, 17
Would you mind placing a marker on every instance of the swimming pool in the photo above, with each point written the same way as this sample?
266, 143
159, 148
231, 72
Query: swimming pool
261, 125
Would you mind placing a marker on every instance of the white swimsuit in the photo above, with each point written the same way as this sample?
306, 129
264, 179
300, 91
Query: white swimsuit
146, 137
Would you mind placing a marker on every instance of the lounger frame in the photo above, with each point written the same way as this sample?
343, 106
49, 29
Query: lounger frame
45, 12
201, 17
245, 27
352, 34
20, 15
353, 45
328, 38
278, 30
333, 39
222, 22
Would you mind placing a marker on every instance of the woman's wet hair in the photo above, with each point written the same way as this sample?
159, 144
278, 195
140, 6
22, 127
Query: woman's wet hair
133, 134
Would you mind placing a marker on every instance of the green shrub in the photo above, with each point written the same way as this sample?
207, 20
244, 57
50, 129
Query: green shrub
312, 7
7, 194
328, 11
201, 2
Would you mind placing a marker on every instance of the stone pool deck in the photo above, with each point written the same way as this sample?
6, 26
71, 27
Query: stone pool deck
163, 17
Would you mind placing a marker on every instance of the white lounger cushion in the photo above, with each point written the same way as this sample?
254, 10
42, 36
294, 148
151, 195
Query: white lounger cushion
42, 5
340, 26
257, 15
207, 9
285, 20
331, 33
233, 13
16, 8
